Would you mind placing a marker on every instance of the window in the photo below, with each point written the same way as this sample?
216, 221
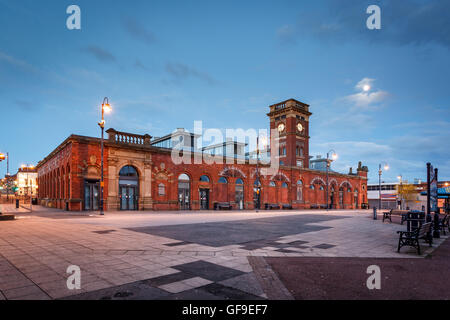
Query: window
161, 189
239, 181
349, 190
311, 187
128, 171
299, 163
272, 184
321, 187
281, 163
204, 178
184, 177
284, 185
299, 190
223, 180
257, 183
283, 151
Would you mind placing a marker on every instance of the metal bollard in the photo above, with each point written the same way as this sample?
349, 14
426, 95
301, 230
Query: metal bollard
374, 213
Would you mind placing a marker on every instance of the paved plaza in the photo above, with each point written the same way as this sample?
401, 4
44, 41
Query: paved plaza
174, 255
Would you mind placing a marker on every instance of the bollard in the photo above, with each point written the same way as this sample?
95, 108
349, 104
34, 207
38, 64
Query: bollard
17, 203
374, 213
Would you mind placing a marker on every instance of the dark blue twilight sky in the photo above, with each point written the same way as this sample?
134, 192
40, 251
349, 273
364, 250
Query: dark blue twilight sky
164, 64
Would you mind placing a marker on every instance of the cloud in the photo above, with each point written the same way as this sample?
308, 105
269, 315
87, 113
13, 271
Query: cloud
138, 31
414, 23
138, 64
100, 54
17, 62
25, 105
366, 97
181, 72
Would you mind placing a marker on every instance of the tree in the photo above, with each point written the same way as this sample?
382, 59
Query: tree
407, 192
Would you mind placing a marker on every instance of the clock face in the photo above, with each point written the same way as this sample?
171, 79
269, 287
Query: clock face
299, 127
281, 127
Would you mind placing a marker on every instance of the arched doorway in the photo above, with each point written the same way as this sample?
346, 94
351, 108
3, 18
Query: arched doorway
239, 193
184, 192
341, 197
128, 188
257, 194
356, 199
204, 192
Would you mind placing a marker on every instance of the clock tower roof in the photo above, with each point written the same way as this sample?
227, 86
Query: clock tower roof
289, 105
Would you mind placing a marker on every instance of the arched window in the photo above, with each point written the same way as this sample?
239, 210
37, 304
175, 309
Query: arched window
183, 177
284, 185
272, 184
161, 189
311, 187
239, 181
204, 178
299, 190
257, 183
321, 187
128, 171
223, 180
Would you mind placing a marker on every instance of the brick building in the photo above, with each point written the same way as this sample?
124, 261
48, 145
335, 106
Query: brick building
140, 173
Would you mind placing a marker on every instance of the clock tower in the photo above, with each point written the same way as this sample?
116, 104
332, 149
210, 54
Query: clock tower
291, 119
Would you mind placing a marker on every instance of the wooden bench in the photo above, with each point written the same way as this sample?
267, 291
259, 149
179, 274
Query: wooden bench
222, 205
270, 206
286, 206
411, 238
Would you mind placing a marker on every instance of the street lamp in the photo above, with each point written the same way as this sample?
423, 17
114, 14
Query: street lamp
334, 156
386, 167
105, 108
258, 186
400, 190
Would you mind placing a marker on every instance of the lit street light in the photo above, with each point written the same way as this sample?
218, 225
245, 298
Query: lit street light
105, 108
386, 167
334, 156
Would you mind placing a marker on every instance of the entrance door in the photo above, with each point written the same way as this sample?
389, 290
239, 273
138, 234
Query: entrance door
184, 195
204, 199
91, 196
240, 197
128, 197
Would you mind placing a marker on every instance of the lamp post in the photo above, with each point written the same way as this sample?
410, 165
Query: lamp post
105, 108
400, 191
386, 167
334, 157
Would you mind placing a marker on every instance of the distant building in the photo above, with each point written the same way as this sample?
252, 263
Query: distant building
390, 199
26, 182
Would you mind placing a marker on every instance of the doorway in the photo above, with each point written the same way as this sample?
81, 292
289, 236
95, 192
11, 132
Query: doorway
128, 188
239, 195
91, 195
204, 199
184, 192
128, 197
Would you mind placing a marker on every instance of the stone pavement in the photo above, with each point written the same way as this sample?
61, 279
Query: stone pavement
193, 255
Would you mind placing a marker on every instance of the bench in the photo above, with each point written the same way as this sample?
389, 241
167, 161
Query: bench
314, 206
222, 205
444, 224
270, 206
286, 207
387, 215
411, 238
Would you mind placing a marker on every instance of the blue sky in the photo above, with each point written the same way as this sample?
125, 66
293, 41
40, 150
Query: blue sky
164, 64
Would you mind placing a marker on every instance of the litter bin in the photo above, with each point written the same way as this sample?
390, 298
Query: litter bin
34, 201
17, 203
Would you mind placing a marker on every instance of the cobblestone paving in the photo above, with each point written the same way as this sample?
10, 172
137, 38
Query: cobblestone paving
119, 263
